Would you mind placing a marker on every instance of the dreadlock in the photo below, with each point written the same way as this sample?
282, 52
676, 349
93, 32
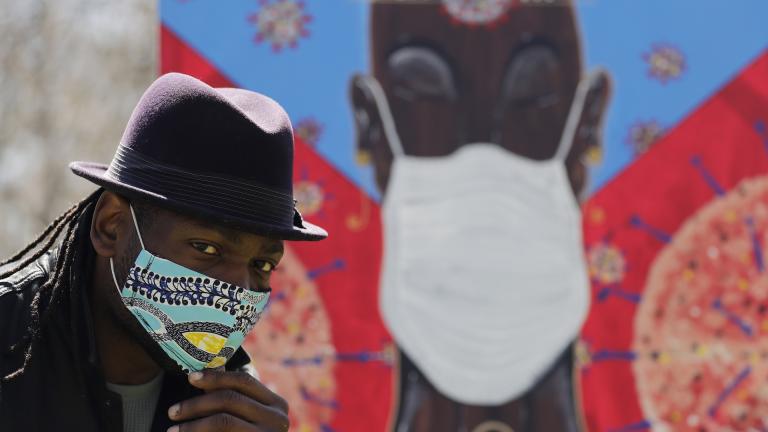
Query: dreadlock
57, 286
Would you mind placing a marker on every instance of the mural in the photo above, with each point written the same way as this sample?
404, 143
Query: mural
446, 144
678, 275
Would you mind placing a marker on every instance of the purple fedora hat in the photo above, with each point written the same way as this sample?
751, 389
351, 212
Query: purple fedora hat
222, 154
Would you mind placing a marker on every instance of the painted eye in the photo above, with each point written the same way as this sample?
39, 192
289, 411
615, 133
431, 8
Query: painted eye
265, 266
205, 248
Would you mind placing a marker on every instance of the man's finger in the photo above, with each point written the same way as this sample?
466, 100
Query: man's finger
231, 402
218, 423
240, 381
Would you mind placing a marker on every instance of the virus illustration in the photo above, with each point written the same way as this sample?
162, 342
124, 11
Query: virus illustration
665, 62
701, 331
309, 130
311, 194
281, 23
309, 197
643, 135
476, 13
297, 325
606, 264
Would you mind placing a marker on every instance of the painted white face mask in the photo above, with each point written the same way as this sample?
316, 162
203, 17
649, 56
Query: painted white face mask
483, 280
198, 321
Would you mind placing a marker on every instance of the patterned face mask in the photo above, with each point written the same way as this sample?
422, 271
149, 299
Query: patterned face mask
198, 321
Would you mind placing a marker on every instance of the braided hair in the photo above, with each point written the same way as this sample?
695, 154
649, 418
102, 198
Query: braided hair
57, 286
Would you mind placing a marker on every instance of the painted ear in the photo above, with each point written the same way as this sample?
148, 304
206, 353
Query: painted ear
588, 143
371, 143
595, 107
366, 117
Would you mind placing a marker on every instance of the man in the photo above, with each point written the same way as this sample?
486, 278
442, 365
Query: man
477, 119
127, 313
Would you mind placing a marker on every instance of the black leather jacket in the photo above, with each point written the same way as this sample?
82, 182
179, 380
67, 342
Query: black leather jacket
62, 388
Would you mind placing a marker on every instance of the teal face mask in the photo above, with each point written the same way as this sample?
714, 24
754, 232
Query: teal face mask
198, 321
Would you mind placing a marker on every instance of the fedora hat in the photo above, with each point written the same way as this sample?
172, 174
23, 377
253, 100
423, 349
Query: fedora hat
222, 154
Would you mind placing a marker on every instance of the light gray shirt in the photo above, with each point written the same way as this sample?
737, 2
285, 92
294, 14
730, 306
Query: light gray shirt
139, 403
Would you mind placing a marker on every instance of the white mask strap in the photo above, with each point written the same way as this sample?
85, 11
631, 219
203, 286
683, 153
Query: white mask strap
574, 117
388, 123
114, 278
111, 261
136, 224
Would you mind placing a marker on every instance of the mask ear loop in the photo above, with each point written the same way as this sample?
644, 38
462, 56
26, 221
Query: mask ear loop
388, 122
574, 117
141, 242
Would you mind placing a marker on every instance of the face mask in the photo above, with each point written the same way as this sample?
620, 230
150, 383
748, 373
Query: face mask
483, 278
198, 321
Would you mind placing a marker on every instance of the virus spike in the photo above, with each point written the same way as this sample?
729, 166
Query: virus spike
658, 234
337, 264
607, 292
608, 355
728, 390
733, 318
757, 248
709, 178
309, 397
634, 427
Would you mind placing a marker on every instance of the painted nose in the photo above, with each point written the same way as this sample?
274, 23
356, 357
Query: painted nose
479, 121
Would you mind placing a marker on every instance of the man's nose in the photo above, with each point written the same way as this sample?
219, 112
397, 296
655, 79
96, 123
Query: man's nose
479, 119
237, 275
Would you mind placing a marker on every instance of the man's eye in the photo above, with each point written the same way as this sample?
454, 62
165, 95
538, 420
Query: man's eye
205, 248
265, 266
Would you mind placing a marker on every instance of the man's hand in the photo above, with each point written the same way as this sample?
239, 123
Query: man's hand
233, 402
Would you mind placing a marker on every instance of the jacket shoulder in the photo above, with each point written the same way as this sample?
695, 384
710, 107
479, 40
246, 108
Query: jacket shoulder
16, 293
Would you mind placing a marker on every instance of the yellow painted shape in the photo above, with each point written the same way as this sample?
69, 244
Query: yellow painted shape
702, 350
216, 362
743, 284
676, 417
596, 215
688, 274
208, 342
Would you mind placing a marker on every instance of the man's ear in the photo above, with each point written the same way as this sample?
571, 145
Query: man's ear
108, 226
370, 140
588, 142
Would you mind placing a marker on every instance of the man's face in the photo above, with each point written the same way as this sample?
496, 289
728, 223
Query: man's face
449, 84
236, 257
240, 258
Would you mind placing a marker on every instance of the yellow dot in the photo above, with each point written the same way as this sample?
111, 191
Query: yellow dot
702, 350
764, 326
293, 328
594, 155
675, 417
596, 215
743, 394
664, 358
745, 258
743, 284
688, 274
324, 383
730, 216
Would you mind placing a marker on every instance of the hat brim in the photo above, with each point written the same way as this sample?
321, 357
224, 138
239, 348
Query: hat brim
96, 173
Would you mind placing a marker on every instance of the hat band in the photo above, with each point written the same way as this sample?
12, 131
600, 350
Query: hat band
225, 194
